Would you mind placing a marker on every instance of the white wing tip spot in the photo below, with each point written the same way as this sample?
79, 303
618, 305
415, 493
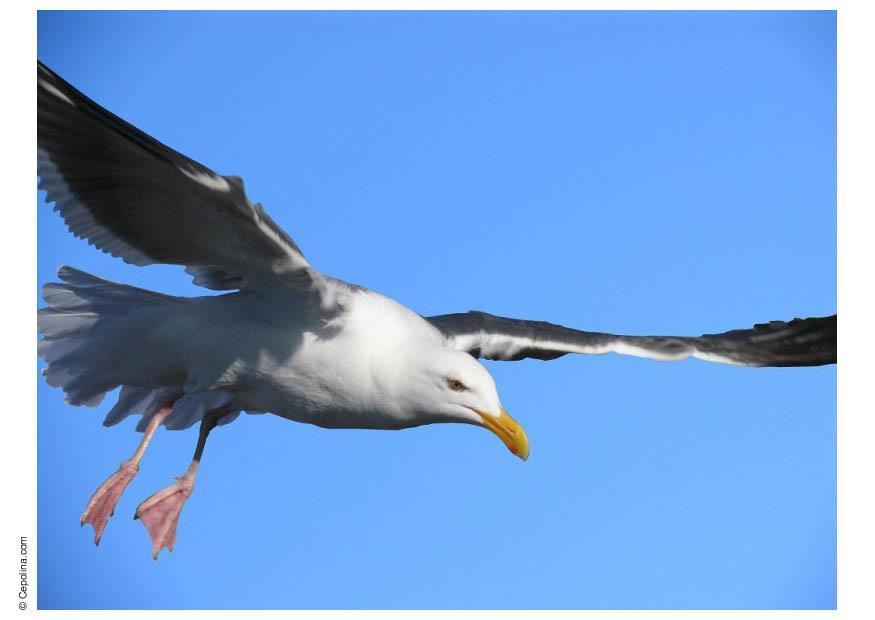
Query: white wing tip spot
210, 181
50, 88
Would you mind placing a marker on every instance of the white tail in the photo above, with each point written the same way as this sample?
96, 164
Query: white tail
95, 339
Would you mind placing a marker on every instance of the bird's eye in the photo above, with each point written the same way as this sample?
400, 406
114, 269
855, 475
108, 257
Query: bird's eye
456, 385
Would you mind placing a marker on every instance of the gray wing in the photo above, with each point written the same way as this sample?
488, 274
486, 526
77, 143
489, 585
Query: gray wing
137, 199
800, 342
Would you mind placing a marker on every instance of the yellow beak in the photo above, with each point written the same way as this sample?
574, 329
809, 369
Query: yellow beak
509, 431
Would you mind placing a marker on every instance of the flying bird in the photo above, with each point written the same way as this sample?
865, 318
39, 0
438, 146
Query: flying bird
283, 338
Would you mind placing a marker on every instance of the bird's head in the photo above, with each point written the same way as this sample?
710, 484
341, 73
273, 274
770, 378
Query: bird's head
455, 387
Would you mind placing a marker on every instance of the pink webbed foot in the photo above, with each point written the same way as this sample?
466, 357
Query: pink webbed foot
160, 513
102, 504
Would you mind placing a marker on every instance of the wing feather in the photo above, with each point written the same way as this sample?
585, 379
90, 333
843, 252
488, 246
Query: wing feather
800, 342
137, 199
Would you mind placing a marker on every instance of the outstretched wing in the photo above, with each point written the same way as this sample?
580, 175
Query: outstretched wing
137, 199
800, 342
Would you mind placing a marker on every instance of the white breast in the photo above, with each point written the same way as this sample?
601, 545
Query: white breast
344, 375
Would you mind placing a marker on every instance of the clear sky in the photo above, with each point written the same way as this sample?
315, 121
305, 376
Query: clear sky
630, 172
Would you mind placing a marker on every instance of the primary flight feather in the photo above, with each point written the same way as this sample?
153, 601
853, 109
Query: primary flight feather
287, 339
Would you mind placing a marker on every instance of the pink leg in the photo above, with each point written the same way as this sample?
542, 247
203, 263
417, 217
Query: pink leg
102, 504
160, 512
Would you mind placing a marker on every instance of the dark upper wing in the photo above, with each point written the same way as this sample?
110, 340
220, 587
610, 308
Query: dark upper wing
800, 342
131, 196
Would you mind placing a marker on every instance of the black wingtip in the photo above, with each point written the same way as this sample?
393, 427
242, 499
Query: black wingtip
799, 342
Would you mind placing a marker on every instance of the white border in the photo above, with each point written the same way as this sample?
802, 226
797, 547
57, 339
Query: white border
856, 448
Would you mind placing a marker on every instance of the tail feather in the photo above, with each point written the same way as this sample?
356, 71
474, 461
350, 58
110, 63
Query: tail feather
95, 338
187, 408
89, 328
131, 400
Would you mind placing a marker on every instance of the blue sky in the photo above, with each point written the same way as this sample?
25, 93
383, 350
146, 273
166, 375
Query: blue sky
628, 172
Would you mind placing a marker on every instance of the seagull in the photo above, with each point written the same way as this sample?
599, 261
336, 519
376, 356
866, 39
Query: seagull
283, 338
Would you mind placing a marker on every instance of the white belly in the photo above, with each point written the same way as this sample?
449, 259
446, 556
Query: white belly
307, 372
